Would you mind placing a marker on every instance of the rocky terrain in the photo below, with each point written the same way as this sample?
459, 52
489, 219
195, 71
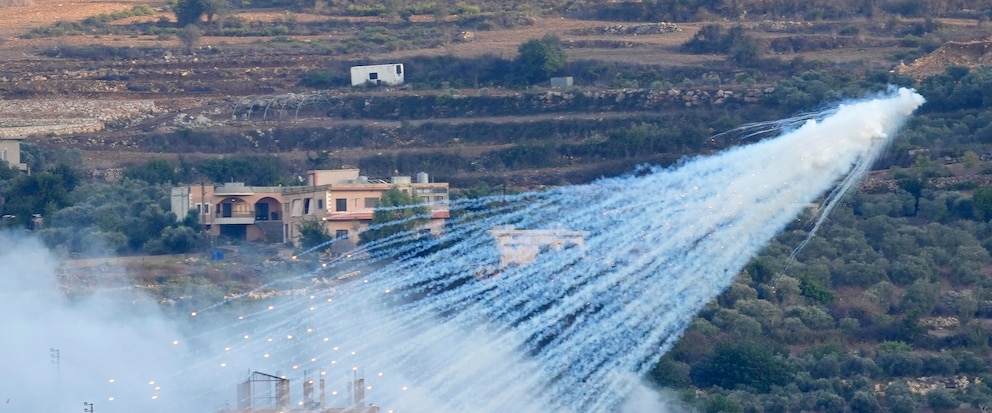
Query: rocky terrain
969, 54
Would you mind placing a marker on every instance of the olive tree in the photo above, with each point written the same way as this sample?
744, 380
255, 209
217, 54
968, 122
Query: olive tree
312, 233
541, 58
743, 362
398, 213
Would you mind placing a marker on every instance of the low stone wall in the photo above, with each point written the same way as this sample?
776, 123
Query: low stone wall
15, 3
12, 128
20, 118
104, 110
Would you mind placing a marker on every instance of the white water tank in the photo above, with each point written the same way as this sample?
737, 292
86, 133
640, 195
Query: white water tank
423, 178
401, 180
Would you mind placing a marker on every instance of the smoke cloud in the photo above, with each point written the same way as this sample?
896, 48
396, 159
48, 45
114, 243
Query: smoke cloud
60, 351
573, 297
645, 399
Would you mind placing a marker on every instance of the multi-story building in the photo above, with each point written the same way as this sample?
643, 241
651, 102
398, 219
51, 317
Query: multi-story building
345, 202
342, 200
251, 213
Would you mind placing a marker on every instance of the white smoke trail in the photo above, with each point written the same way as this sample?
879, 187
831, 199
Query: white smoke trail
58, 352
449, 327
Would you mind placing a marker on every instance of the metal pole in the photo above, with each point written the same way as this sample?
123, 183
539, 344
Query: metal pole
204, 215
56, 358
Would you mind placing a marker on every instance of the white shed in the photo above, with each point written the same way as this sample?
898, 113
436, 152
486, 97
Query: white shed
390, 74
10, 151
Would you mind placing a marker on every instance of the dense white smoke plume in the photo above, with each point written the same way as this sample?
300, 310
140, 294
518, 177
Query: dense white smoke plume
59, 351
613, 276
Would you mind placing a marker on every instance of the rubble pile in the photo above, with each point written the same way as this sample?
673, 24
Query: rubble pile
782, 26
969, 54
924, 385
624, 30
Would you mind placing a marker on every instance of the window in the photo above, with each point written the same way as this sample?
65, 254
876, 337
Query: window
306, 206
373, 76
3, 155
206, 208
440, 199
399, 69
341, 234
199, 209
320, 203
340, 204
371, 202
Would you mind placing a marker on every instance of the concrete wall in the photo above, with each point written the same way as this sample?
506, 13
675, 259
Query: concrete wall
331, 176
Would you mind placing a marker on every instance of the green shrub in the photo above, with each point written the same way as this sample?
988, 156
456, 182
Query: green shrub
462, 9
421, 8
849, 30
56, 30
323, 79
365, 10
745, 363
911, 41
942, 399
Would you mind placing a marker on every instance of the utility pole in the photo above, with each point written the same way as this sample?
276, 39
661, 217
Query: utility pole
203, 213
54, 354
56, 358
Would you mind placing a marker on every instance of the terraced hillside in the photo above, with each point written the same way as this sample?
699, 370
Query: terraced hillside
273, 81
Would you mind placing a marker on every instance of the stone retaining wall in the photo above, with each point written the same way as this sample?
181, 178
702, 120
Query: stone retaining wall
42, 117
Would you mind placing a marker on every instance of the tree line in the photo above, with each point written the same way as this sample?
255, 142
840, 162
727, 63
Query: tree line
81, 216
855, 311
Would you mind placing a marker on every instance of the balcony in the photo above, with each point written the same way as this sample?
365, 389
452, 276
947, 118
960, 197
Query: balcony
230, 218
248, 217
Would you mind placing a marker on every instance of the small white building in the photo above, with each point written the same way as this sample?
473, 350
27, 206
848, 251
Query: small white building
560, 82
10, 151
389, 74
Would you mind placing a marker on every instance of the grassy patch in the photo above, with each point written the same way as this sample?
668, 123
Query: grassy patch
89, 24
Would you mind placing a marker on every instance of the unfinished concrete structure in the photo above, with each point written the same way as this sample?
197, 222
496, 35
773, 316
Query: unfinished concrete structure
519, 247
266, 393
